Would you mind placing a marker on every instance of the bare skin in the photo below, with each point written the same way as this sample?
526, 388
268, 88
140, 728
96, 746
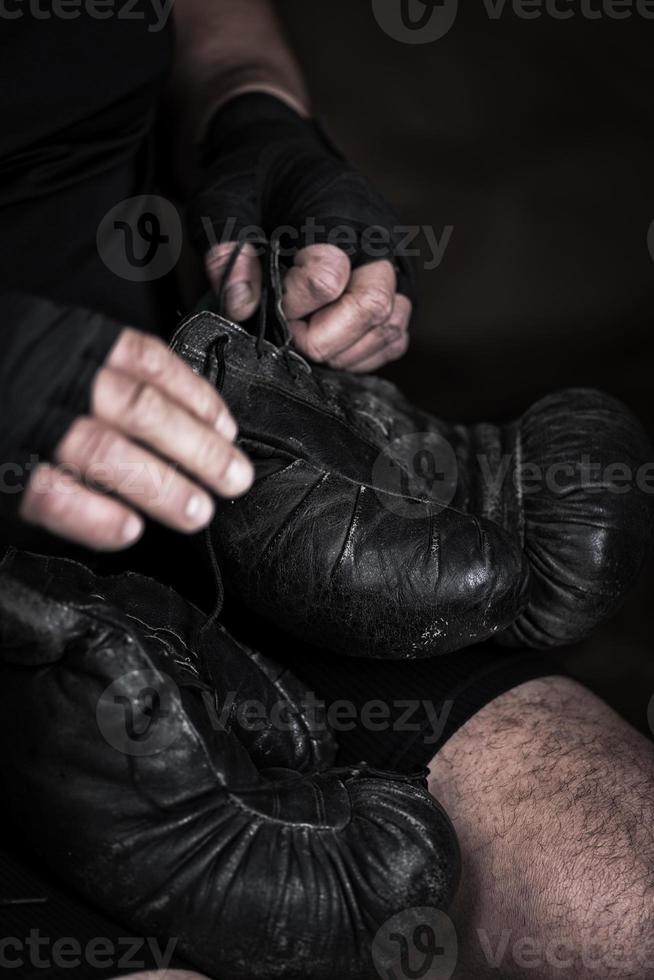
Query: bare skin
552, 796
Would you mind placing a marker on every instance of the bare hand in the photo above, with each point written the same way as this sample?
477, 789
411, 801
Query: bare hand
353, 320
157, 441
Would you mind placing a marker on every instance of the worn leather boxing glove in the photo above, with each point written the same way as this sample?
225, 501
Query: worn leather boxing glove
374, 529
123, 770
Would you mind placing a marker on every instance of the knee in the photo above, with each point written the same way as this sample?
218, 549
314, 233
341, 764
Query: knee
600, 917
555, 816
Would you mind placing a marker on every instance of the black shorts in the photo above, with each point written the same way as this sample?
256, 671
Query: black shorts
397, 715
391, 714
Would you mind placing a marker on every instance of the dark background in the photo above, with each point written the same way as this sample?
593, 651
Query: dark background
533, 139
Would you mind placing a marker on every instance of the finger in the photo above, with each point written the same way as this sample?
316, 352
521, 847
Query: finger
391, 353
101, 455
56, 501
367, 303
243, 290
319, 276
144, 413
149, 360
390, 337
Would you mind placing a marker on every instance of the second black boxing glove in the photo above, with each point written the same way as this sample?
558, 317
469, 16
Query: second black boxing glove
180, 819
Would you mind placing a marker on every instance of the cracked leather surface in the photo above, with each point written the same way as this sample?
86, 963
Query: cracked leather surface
261, 860
318, 546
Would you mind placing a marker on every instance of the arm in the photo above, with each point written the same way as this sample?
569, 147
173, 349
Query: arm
240, 100
96, 422
226, 48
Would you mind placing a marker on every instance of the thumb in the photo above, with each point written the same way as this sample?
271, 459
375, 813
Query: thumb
242, 293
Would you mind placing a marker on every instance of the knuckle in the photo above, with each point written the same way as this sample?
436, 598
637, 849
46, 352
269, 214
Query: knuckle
314, 349
219, 256
211, 406
390, 333
399, 347
213, 456
326, 284
405, 307
98, 444
52, 505
148, 354
337, 362
145, 408
376, 304
31, 502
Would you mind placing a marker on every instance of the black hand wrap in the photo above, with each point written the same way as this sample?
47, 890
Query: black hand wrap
269, 173
50, 355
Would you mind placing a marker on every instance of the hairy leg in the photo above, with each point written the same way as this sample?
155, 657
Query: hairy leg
552, 795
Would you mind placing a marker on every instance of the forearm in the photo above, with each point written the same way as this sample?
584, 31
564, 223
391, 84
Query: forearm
226, 48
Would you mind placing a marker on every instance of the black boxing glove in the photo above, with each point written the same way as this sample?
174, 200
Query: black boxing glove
49, 357
375, 529
270, 173
122, 771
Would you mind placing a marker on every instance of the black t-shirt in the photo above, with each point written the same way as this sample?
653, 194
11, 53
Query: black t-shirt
78, 102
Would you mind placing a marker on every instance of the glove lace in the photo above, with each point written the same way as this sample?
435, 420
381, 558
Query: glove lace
272, 324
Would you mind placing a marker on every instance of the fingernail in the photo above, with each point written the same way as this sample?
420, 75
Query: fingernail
239, 295
239, 475
199, 509
132, 528
226, 426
